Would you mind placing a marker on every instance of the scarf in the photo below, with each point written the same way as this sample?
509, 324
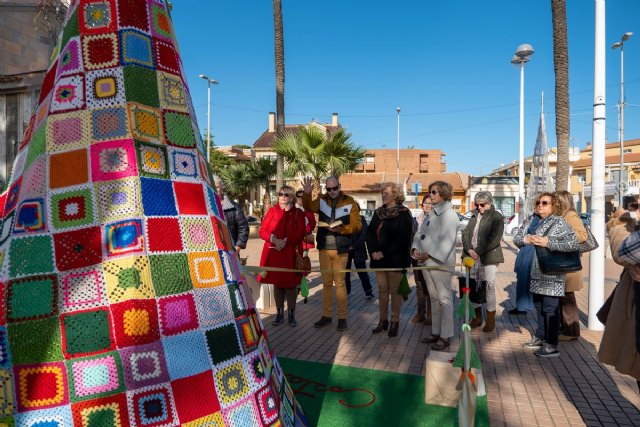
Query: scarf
226, 204
385, 212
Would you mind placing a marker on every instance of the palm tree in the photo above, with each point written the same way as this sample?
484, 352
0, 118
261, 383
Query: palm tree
311, 151
238, 180
561, 68
278, 32
263, 171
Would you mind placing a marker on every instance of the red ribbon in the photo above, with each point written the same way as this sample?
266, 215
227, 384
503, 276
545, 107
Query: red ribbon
466, 290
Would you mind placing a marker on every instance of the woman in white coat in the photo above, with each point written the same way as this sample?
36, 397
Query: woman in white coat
434, 245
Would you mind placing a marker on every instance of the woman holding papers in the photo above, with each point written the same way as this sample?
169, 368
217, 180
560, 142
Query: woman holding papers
389, 242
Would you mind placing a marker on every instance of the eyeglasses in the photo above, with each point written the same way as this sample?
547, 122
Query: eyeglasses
298, 195
481, 205
284, 195
543, 202
333, 188
435, 192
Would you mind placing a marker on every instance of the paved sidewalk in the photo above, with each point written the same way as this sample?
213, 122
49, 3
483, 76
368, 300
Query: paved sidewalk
523, 390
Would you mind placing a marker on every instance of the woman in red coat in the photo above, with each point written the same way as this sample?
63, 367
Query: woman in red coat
310, 224
282, 229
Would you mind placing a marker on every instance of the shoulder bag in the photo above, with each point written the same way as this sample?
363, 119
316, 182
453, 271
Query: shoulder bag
302, 263
556, 262
590, 244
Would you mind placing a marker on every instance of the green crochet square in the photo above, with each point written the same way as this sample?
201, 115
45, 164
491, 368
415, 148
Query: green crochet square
237, 303
71, 29
129, 278
7, 421
170, 274
36, 145
72, 208
227, 335
179, 130
141, 85
94, 377
35, 341
152, 160
86, 332
104, 416
30, 256
31, 298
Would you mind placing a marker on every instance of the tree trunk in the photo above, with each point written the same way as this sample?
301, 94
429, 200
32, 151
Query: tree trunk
561, 68
279, 56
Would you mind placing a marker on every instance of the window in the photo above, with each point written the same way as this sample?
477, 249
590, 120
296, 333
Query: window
11, 131
370, 158
627, 151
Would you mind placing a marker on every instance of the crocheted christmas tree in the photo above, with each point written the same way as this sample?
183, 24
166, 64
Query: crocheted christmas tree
122, 302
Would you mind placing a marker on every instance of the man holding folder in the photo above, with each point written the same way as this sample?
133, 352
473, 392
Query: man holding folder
339, 217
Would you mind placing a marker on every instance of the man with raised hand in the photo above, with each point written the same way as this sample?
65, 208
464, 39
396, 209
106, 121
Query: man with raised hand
339, 218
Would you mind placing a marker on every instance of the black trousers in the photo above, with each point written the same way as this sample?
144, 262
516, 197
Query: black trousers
548, 309
364, 276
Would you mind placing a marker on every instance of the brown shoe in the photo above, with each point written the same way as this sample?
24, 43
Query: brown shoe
563, 337
490, 324
477, 322
430, 340
441, 345
418, 318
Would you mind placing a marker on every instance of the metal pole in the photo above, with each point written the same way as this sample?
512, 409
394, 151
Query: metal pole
398, 148
521, 159
208, 119
596, 257
621, 123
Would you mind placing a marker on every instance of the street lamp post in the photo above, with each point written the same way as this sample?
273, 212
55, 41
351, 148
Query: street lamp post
622, 187
398, 148
209, 83
521, 57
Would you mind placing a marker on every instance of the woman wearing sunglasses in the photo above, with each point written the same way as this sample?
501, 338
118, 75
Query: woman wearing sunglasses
435, 246
282, 230
546, 229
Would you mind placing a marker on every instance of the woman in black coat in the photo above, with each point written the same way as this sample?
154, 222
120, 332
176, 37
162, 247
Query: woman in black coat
389, 239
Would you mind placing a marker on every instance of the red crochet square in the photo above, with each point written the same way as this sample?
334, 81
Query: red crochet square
49, 82
163, 234
135, 322
190, 198
166, 57
133, 14
108, 411
78, 248
3, 307
41, 386
198, 385
97, 16
221, 233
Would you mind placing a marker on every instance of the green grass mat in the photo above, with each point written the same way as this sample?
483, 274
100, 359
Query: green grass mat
335, 396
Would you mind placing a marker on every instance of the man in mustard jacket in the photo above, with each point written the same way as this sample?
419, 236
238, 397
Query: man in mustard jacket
339, 217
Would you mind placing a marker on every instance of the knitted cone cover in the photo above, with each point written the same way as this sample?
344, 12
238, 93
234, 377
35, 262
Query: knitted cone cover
122, 301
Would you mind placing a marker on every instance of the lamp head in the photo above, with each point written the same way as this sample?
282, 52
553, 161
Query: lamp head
626, 36
524, 51
398, 110
616, 45
202, 76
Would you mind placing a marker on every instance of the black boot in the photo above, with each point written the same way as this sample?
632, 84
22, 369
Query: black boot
292, 317
393, 330
279, 317
382, 326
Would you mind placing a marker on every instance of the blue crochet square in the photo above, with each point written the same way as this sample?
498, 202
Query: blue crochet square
190, 347
53, 417
157, 197
136, 48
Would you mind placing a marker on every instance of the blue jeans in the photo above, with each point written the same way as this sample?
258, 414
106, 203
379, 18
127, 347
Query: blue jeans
548, 309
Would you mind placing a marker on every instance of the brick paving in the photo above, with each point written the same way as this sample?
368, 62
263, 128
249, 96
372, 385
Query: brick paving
523, 390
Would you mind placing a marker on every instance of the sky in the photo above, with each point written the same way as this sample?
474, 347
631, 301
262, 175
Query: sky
446, 64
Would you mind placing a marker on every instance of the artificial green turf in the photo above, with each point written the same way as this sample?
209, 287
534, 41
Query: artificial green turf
335, 396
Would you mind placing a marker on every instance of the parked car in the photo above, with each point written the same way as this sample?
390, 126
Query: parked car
368, 214
511, 225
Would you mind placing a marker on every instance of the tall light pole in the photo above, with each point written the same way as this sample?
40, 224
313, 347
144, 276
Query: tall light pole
622, 185
398, 148
209, 83
521, 57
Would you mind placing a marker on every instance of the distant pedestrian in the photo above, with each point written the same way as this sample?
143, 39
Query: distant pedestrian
389, 243
569, 315
310, 224
282, 230
358, 254
545, 229
435, 246
234, 217
423, 312
481, 240
340, 218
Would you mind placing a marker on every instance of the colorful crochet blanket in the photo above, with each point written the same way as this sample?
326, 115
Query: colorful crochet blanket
122, 301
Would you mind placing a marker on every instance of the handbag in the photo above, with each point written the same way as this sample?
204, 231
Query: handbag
603, 313
302, 262
309, 239
477, 289
556, 262
590, 244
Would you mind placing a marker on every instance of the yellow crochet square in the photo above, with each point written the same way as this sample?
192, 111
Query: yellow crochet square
67, 131
197, 234
205, 269
136, 322
128, 278
7, 403
146, 123
213, 420
173, 95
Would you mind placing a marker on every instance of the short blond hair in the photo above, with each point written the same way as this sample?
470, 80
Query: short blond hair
396, 190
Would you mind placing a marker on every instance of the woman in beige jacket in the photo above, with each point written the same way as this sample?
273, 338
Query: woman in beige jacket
570, 320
